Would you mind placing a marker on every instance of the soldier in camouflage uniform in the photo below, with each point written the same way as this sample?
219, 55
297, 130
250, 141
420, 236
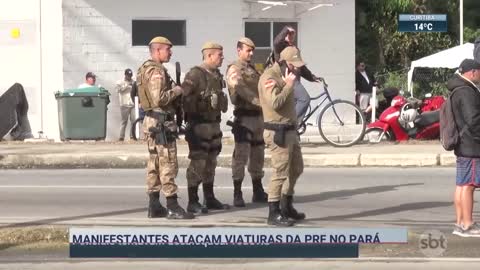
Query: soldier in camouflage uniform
203, 103
242, 81
280, 135
157, 97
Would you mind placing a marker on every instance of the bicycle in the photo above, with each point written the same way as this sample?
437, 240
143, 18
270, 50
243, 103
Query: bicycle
338, 115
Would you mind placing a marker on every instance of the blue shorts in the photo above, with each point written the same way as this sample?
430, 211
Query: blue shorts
468, 171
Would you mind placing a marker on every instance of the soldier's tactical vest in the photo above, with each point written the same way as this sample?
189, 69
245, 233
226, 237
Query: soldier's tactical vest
211, 84
144, 95
251, 77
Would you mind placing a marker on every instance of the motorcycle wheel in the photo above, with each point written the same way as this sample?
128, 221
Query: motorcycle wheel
377, 135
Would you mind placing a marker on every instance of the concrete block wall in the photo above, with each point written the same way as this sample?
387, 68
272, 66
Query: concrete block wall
97, 37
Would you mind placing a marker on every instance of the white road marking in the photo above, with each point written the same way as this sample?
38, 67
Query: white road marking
93, 187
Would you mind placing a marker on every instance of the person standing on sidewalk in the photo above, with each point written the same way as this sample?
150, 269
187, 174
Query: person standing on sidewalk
466, 112
157, 98
124, 89
278, 105
364, 82
284, 39
203, 103
242, 81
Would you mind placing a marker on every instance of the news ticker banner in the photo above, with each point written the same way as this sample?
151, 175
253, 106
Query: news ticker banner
226, 242
422, 23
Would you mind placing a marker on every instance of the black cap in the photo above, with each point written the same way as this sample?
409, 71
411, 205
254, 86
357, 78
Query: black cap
467, 65
90, 75
128, 72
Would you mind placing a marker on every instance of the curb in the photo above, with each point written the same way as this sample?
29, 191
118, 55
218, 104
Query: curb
403, 160
136, 160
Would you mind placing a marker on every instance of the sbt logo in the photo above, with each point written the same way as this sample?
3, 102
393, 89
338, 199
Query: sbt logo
433, 243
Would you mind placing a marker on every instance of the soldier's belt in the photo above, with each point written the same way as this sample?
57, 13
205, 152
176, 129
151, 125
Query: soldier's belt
199, 119
280, 132
278, 127
245, 112
242, 134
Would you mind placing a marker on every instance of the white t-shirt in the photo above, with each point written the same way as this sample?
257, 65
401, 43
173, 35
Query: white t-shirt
85, 85
364, 74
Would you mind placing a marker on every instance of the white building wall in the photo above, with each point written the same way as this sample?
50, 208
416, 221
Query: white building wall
34, 57
52, 64
326, 40
328, 44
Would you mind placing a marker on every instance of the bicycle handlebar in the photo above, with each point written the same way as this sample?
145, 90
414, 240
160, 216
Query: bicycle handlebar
324, 82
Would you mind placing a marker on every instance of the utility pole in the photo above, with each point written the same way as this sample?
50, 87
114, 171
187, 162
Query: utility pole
461, 22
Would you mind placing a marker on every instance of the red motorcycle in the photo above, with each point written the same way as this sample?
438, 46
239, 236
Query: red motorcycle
407, 119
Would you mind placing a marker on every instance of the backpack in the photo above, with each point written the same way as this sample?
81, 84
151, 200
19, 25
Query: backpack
449, 133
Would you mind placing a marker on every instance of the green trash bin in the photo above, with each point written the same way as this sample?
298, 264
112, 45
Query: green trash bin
82, 113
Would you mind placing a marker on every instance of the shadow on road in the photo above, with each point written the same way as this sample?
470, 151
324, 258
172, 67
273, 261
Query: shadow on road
387, 210
350, 192
61, 219
327, 196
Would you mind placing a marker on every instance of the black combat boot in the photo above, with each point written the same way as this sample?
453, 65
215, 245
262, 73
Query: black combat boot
288, 210
155, 208
209, 199
194, 205
259, 195
237, 194
175, 211
275, 216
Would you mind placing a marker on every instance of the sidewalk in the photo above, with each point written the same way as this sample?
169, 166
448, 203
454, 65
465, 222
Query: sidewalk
14, 155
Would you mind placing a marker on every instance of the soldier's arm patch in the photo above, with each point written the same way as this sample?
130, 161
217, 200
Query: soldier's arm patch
269, 84
153, 74
156, 75
191, 82
233, 76
155, 82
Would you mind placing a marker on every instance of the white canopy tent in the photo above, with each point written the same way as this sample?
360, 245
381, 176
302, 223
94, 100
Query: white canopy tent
449, 58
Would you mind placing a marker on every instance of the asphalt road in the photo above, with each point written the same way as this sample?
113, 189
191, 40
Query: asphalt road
419, 199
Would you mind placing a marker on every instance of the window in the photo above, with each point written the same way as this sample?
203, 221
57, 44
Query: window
145, 30
262, 34
259, 33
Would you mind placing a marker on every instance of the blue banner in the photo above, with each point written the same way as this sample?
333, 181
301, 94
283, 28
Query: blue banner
225, 242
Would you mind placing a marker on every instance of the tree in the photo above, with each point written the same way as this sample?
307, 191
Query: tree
469, 35
395, 50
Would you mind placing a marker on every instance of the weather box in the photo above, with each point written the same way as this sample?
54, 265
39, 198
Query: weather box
422, 23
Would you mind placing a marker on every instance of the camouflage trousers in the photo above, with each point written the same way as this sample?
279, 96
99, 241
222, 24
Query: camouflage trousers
250, 149
162, 168
204, 144
287, 164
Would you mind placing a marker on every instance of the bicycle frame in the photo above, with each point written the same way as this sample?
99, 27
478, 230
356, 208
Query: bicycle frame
312, 111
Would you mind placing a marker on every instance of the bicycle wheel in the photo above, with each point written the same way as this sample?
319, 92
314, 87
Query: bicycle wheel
133, 131
341, 123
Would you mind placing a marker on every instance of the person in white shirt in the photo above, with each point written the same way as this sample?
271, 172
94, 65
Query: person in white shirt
124, 88
90, 80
